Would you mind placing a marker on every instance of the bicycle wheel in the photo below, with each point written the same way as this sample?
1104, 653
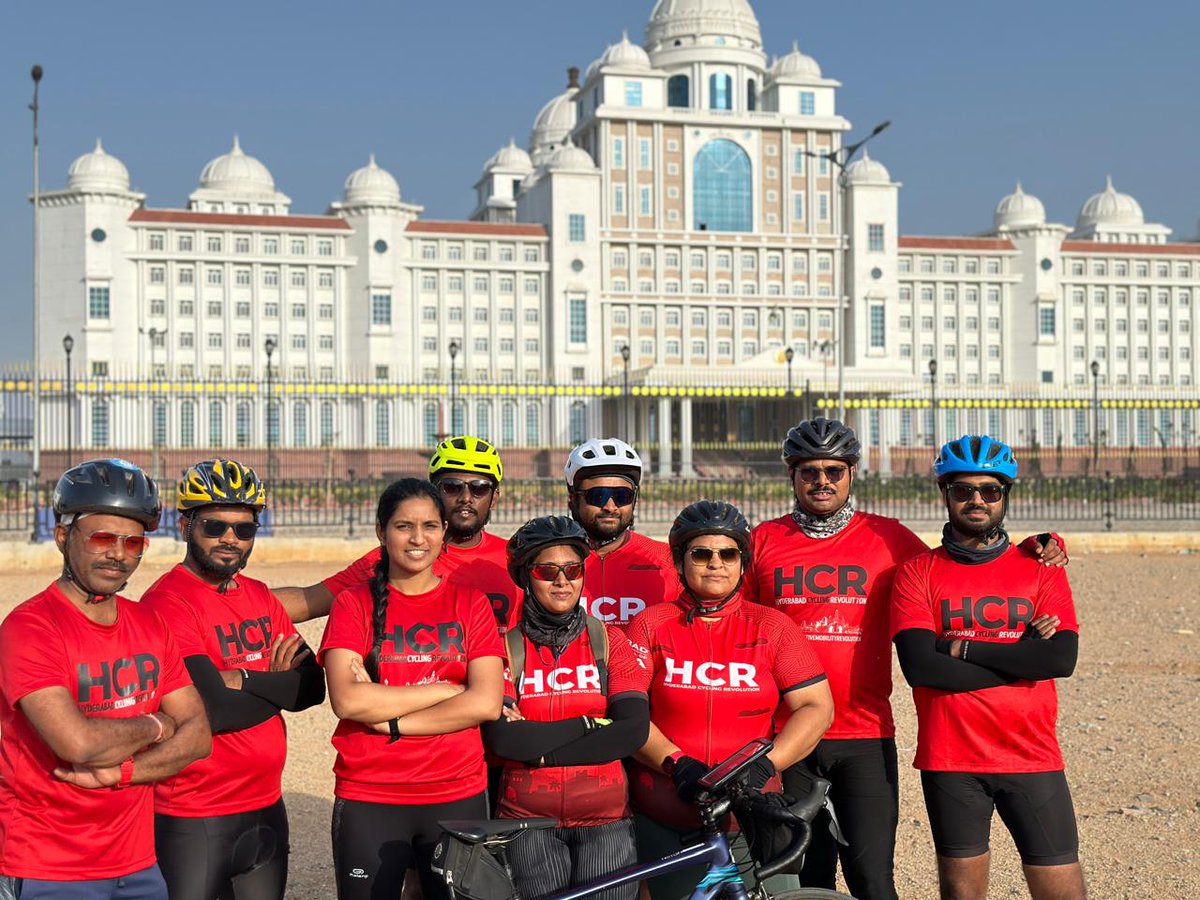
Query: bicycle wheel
811, 894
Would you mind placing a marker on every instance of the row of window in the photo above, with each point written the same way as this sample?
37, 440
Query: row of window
951, 265
215, 309
1121, 326
480, 284
949, 294
723, 260
1121, 297
268, 245
215, 340
214, 276
645, 160
723, 318
478, 252
1122, 353
721, 288
483, 345
1140, 268
950, 323
505, 314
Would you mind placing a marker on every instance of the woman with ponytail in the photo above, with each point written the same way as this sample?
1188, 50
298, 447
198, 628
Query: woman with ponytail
414, 666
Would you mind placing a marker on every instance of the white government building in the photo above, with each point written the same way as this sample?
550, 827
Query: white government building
669, 202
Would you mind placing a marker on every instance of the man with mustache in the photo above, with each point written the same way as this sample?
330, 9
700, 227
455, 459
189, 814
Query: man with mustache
467, 472
829, 567
982, 631
221, 826
95, 705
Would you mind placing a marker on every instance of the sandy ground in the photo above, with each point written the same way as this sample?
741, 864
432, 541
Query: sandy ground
1129, 724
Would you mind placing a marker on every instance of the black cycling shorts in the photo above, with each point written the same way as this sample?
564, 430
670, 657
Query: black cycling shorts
1035, 807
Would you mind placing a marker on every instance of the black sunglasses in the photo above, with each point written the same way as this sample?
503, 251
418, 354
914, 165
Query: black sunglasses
599, 496
812, 474
703, 555
961, 492
453, 487
215, 528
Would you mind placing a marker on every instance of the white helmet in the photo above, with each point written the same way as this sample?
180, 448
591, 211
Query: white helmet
603, 456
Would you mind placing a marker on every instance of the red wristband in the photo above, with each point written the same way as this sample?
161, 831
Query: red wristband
126, 774
670, 761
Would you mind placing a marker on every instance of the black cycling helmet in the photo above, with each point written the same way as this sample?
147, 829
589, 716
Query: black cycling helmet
108, 486
822, 438
537, 534
709, 517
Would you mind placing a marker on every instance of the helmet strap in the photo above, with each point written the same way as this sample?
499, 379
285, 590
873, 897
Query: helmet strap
699, 608
90, 597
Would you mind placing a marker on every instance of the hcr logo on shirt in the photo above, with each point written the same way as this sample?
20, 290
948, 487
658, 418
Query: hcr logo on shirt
822, 581
614, 609
710, 674
238, 638
122, 677
565, 678
422, 637
1008, 613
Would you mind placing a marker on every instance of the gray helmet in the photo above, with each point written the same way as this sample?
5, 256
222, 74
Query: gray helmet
537, 534
108, 486
822, 438
709, 517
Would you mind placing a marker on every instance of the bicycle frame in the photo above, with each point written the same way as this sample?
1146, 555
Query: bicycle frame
721, 879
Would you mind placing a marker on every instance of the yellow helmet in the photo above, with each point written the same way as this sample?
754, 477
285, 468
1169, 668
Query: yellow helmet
220, 482
466, 454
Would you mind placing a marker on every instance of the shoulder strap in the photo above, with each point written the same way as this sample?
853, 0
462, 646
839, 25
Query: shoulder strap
598, 638
514, 640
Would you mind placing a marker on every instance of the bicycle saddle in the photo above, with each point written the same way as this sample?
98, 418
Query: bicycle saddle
475, 831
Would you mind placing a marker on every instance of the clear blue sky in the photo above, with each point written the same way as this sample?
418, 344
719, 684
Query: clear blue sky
1058, 94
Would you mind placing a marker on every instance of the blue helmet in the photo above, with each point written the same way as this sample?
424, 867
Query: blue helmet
974, 454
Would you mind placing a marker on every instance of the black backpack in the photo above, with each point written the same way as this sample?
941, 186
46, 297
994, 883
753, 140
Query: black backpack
597, 637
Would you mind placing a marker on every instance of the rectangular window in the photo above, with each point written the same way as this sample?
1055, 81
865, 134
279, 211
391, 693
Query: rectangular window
156, 241
213, 277
1046, 321
644, 154
187, 275
798, 209
808, 103
158, 275
878, 334
823, 207
633, 93
875, 238
619, 199
618, 154
798, 157
644, 207
577, 320
381, 309
577, 228
98, 303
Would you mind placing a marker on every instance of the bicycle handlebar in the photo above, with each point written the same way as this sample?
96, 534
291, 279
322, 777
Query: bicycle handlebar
793, 852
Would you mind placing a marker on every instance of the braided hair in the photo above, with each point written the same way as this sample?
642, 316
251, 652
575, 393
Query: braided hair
396, 493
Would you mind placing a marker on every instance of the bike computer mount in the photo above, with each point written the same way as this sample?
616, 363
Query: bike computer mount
727, 771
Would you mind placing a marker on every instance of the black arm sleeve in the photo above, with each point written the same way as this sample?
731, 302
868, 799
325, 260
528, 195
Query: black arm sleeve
528, 742
1029, 660
630, 714
227, 710
294, 690
923, 666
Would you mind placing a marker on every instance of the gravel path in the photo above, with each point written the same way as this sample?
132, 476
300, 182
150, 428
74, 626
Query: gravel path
1129, 724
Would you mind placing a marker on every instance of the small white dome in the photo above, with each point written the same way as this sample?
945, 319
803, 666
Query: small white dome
674, 19
555, 121
626, 55
372, 185
796, 66
509, 157
867, 171
237, 173
1110, 207
1019, 210
97, 171
569, 158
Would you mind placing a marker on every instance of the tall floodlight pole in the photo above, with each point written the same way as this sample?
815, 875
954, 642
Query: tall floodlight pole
36, 432
68, 343
1095, 368
933, 407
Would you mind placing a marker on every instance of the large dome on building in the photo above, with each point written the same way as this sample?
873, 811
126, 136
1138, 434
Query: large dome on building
867, 171
569, 158
552, 125
1110, 207
1019, 210
235, 172
674, 19
97, 171
796, 66
622, 55
372, 185
509, 156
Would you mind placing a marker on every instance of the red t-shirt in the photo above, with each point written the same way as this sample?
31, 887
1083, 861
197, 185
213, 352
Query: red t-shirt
564, 688
53, 830
637, 575
483, 567
235, 630
1002, 729
838, 591
713, 687
428, 638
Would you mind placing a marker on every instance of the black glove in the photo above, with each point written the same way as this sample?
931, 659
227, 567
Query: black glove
688, 770
767, 837
759, 773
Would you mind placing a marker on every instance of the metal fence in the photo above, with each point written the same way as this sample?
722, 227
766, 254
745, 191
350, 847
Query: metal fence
346, 506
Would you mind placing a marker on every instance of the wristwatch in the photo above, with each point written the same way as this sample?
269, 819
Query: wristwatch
126, 774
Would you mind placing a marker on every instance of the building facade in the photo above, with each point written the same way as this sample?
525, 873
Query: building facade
673, 258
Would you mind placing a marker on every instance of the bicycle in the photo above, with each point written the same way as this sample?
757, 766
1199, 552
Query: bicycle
472, 861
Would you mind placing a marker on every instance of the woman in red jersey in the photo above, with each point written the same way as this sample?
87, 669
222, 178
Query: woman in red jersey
716, 669
409, 749
575, 708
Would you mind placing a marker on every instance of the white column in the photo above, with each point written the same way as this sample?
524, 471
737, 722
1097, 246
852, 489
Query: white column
664, 437
686, 469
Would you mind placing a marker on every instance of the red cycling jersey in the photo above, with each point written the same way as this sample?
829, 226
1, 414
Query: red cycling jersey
428, 638
623, 582
564, 687
838, 590
487, 572
1007, 729
714, 685
50, 829
234, 629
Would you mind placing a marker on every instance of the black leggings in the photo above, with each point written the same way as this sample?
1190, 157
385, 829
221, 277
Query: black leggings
866, 799
243, 856
374, 844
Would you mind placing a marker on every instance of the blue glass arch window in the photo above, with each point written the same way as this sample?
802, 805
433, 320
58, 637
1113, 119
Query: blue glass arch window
723, 195
678, 91
720, 91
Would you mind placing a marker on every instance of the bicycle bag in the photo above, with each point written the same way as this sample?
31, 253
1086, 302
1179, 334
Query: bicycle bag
470, 871
597, 634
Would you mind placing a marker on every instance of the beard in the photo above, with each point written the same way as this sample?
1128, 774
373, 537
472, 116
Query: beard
217, 569
977, 528
460, 531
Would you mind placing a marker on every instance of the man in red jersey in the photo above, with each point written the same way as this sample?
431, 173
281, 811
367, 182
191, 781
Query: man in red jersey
95, 705
970, 620
220, 825
626, 572
830, 568
467, 471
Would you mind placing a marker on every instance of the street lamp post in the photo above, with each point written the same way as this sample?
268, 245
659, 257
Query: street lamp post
625, 392
826, 349
789, 354
454, 428
269, 347
1095, 367
69, 345
933, 407
36, 427
842, 157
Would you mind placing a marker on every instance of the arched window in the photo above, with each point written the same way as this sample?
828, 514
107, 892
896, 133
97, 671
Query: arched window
160, 423
578, 423
216, 424
300, 424
483, 420
751, 94
720, 91
508, 423
383, 424
327, 423
723, 189
533, 424
100, 423
431, 424
458, 415
242, 425
187, 424
678, 91
272, 422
